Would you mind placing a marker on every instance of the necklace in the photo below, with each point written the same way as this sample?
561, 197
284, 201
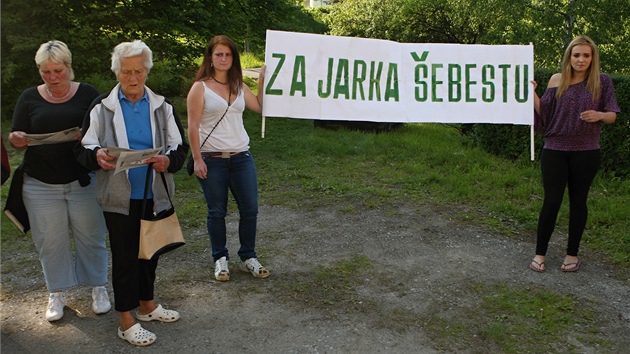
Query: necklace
222, 83
59, 98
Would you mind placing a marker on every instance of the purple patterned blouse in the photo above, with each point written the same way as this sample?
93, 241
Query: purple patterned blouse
559, 120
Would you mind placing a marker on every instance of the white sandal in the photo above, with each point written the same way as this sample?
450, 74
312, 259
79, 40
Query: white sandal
159, 314
137, 335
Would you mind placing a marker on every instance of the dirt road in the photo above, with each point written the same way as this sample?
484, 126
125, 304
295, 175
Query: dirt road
378, 281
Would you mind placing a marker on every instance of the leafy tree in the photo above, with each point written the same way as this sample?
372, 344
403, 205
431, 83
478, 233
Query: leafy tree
548, 24
92, 29
257, 16
176, 30
366, 18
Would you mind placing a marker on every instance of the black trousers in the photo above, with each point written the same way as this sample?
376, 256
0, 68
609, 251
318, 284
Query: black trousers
133, 279
561, 169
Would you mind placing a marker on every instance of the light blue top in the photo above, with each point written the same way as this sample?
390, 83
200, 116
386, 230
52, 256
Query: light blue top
137, 117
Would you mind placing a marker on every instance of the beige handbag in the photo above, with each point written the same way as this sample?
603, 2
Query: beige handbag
162, 233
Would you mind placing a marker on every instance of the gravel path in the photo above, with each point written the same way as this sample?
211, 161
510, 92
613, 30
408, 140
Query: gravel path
419, 263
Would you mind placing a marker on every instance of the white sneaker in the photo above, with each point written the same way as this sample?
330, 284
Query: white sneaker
253, 266
56, 303
100, 300
221, 270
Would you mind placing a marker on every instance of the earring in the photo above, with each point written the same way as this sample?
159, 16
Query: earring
211, 65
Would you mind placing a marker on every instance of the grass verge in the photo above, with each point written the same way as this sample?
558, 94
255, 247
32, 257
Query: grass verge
425, 164
517, 320
458, 316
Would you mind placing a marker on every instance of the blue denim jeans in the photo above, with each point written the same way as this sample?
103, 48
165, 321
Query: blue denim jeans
238, 175
54, 210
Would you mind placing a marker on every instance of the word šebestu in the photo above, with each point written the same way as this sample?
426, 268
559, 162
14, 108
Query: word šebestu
363, 80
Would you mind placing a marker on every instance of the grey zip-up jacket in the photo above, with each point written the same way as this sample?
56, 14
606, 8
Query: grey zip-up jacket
104, 126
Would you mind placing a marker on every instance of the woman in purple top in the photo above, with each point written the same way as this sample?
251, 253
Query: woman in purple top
569, 115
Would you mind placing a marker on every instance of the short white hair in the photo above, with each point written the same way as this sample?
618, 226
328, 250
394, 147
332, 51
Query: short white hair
55, 52
131, 49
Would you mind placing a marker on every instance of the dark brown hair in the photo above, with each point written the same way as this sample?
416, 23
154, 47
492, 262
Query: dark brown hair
235, 74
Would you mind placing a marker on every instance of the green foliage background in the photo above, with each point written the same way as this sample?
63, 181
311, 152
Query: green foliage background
421, 164
177, 31
549, 24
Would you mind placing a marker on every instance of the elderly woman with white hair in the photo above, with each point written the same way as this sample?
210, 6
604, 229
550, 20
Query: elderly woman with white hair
134, 117
57, 191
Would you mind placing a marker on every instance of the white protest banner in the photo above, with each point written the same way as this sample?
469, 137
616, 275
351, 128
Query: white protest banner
342, 78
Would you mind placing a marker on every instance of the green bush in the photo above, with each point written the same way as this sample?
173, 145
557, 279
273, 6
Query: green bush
171, 79
102, 84
251, 60
615, 140
513, 141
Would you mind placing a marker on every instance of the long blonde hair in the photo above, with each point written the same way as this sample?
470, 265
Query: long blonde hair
592, 74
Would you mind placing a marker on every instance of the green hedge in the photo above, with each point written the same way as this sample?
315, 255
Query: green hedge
513, 141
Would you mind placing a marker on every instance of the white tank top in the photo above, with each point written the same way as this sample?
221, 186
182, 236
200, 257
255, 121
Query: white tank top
230, 134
